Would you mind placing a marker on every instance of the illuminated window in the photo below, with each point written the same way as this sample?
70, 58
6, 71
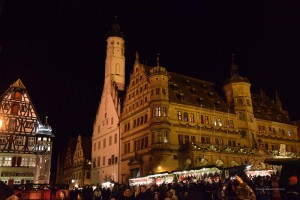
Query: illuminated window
24, 162
19, 140
192, 119
30, 141
179, 115
166, 137
7, 161
157, 111
214, 121
219, 122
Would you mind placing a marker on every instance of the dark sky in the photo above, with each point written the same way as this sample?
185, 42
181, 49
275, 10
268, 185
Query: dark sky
57, 48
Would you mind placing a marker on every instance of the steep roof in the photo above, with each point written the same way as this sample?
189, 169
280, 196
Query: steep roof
191, 91
265, 108
86, 146
196, 92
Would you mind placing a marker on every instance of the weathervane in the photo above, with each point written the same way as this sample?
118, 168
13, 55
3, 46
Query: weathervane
157, 59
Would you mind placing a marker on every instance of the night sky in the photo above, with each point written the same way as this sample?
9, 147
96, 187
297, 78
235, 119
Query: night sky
57, 48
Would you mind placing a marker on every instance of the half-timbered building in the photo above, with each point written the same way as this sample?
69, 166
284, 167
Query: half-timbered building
25, 142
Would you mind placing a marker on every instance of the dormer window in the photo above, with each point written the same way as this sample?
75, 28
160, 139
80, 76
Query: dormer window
193, 91
210, 94
188, 83
180, 96
200, 100
174, 86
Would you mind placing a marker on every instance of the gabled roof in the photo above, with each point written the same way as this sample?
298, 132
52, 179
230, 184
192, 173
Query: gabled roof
86, 146
18, 84
72, 145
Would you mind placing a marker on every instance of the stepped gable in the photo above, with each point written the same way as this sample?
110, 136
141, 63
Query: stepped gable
266, 109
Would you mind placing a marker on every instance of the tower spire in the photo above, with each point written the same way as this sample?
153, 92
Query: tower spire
157, 58
137, 56
278, 101
115, 29
233, 67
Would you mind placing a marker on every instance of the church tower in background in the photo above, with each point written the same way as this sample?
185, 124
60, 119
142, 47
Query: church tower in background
106, 134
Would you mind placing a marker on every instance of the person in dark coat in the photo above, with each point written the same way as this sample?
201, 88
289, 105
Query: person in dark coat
6, 192
127, 194
144, 194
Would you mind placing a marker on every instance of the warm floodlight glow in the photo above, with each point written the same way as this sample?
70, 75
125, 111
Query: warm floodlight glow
1, 123
159, 168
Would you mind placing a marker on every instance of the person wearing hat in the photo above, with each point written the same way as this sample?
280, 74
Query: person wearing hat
6, 193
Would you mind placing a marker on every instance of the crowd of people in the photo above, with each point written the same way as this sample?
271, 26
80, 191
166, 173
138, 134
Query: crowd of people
212, 188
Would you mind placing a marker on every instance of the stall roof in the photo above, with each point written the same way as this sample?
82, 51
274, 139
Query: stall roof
282, 161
